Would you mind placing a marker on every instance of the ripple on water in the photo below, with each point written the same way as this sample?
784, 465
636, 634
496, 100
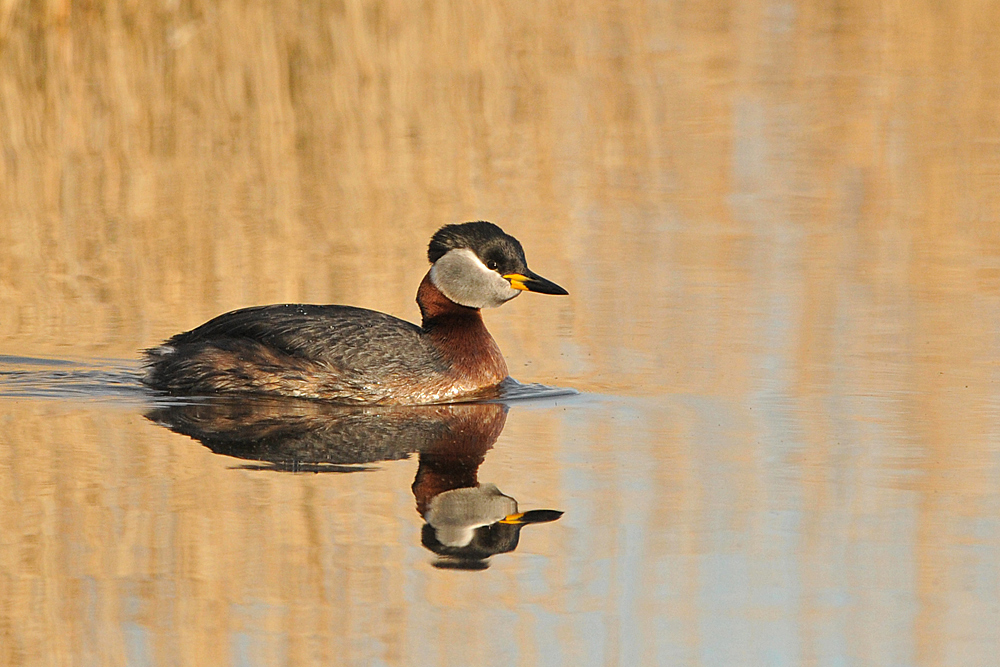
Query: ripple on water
511, 390
26, 377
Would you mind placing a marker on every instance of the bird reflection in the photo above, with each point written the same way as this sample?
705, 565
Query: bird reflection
466, 522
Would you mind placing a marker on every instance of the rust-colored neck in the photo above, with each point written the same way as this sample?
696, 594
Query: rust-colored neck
434, 305
459, 333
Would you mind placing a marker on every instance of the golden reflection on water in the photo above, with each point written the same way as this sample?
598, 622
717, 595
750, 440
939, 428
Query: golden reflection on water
786, 216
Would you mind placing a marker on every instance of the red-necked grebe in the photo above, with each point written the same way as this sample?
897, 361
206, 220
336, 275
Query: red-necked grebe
354, 355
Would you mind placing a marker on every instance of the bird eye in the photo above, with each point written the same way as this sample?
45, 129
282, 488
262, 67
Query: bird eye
492, 265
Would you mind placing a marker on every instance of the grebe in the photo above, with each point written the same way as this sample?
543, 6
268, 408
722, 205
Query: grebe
354, 355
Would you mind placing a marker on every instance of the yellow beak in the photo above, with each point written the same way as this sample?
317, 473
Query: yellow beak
517, 280
532, 282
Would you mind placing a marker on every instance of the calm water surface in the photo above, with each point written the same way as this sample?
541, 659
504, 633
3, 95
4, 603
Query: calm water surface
779, 224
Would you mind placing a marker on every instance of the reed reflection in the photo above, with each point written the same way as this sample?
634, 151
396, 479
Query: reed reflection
466, 522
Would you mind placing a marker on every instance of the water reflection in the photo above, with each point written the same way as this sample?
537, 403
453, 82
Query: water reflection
466, 521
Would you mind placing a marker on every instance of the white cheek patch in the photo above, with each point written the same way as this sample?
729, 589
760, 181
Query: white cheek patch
462, 277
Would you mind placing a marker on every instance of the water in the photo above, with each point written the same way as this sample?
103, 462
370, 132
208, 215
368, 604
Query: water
766, 411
